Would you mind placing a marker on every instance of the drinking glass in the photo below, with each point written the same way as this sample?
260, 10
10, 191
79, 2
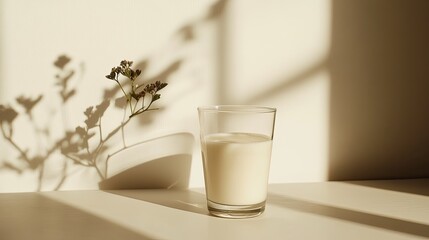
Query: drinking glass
236, 142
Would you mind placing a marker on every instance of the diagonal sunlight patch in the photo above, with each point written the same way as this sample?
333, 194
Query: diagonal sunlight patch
350, 215
401, 206
35, 216
140, 216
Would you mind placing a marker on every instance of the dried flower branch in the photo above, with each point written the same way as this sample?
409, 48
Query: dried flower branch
84, 145
139, 99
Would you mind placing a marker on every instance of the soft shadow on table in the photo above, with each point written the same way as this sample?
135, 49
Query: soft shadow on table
373, 220
33, 216
414, 186
181, 199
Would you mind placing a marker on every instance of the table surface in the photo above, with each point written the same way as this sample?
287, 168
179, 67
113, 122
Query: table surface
383, 209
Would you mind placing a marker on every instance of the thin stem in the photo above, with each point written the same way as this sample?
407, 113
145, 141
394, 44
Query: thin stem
41, 173
123, 91
94, 161
98, 171
64, 176
106, 165
122, 128
113, 132
129, 101
135, 106
10, 140
52, 150
77, 161
123, 140
145, 110
116, 152
36, 130
64, 116
111, 155
103, 141
100, 131
150, 104
142, 110
87, 144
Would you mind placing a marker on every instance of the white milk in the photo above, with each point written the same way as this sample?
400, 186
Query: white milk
236, 167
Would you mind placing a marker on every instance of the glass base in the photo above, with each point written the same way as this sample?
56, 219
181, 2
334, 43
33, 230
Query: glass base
235, 211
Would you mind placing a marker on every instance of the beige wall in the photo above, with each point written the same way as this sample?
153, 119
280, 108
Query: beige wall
173, 42
276, 54
349, 80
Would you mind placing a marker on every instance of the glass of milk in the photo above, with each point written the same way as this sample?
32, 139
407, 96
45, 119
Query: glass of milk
236, 143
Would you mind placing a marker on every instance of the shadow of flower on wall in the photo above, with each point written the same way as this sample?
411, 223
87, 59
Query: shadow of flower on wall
85, 144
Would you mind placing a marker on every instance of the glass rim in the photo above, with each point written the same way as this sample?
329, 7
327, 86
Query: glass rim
237, 109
